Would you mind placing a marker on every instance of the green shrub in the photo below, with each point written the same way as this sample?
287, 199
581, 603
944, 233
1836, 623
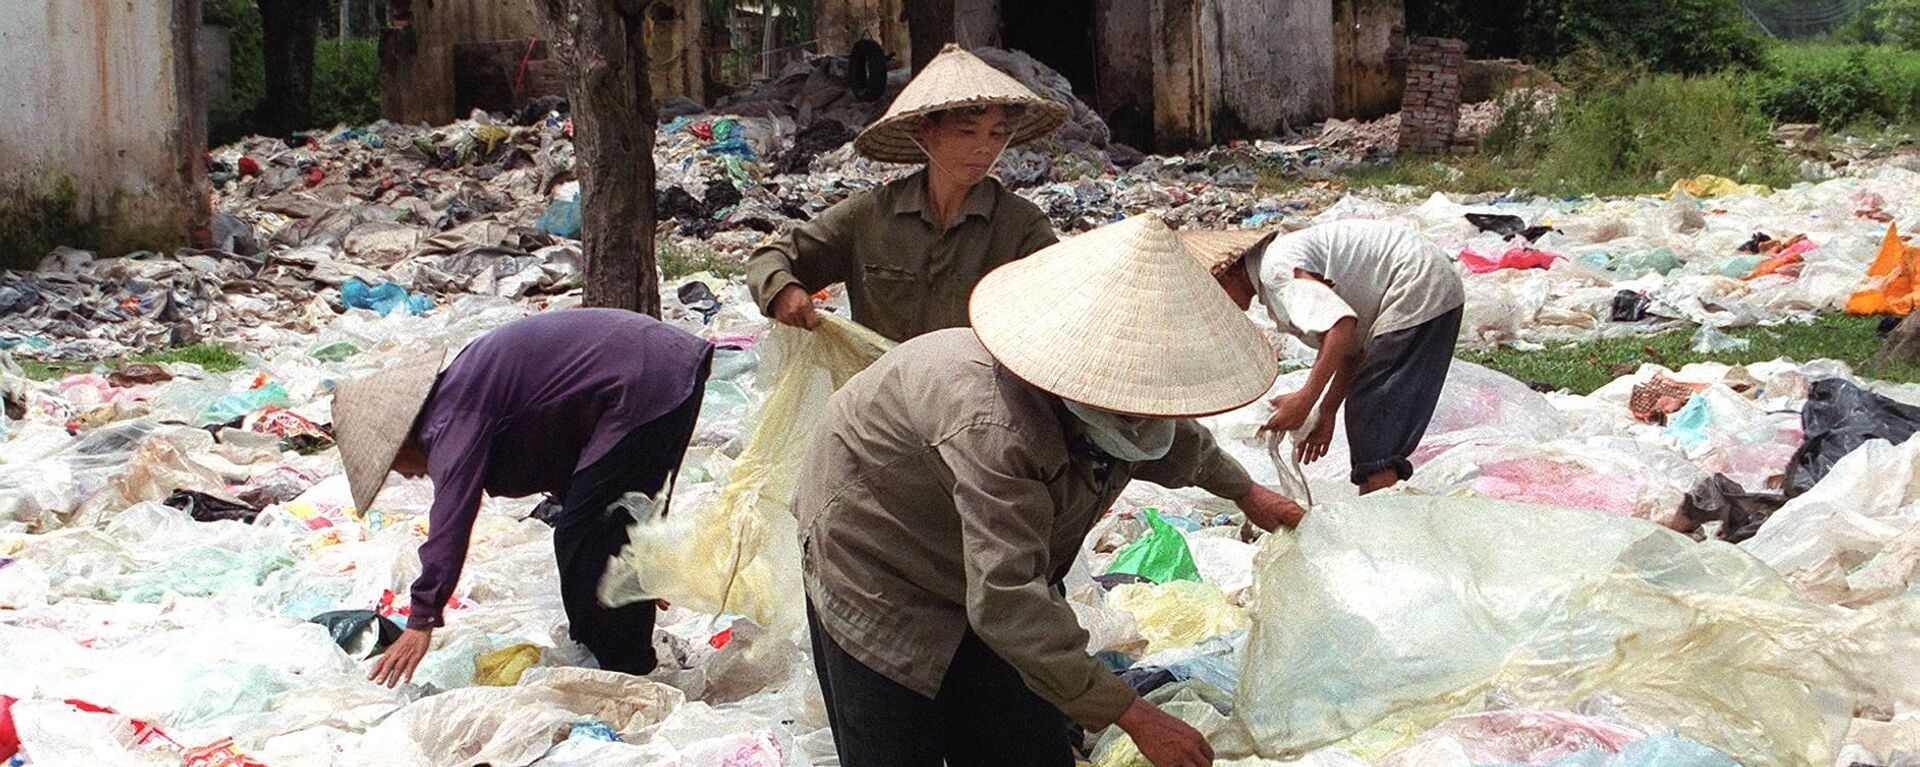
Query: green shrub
1840, 85
1687, 36
346, 75
346, 81
1832, 93
1644, 135
1897, 22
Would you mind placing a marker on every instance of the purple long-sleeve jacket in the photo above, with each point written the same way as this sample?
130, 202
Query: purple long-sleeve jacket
524, 407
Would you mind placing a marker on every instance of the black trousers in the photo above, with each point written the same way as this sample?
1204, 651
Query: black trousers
984, 715
590, 529
1394, 395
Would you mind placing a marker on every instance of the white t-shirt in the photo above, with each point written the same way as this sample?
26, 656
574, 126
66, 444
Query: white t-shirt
1386, 276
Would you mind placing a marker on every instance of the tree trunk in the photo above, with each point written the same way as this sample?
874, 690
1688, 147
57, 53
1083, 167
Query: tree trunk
1903, 344
929, 28
613, 122
288, 29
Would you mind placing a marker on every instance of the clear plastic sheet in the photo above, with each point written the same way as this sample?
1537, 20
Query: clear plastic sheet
1383, 617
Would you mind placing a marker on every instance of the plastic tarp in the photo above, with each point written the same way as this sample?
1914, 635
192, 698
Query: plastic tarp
1381, 618
741, 554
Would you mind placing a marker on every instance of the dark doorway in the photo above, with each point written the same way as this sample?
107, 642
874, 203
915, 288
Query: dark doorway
1057, 33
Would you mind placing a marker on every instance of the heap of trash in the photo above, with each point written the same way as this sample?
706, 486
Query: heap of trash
1703, 566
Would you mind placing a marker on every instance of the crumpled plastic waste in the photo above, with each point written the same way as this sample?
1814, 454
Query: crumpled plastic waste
1517, 257
206, 508
1739, 513
1459, 599
505, 666
740, 553
1847, 539
1895, 276
1661, 396
1160, 556
383, 298
1178, 613
1838, 418
361, 633
1707, 186
1513, 736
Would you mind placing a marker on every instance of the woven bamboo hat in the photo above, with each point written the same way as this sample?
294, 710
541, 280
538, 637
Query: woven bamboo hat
952, 80
1123, 319
372, 416
1217, 249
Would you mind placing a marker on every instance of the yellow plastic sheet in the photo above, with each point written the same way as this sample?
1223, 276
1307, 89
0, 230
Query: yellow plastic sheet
1382, 617
1177, 614
1707, 186
741, 554
504, 667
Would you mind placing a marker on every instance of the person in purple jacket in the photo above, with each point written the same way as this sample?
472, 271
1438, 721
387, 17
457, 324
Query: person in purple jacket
585, 405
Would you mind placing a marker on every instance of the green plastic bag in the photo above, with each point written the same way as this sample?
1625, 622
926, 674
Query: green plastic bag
1160, 556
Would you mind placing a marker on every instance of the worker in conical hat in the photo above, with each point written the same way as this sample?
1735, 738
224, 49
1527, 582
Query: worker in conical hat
911, 250
949, 487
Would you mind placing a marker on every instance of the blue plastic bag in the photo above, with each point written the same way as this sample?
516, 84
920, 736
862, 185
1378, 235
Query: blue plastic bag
562, 219
383, 298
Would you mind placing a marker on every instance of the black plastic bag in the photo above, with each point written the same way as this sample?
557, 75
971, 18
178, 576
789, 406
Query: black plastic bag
1739, 512
362, 633
1838, 418
1630, 306
206, 508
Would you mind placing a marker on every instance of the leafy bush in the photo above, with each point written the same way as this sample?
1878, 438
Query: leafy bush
1687, 36
1840, 85
1897, 22
346, 81
1642, 136
1832, 93
346, 76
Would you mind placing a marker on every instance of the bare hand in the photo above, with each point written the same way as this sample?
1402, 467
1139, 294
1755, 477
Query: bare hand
402, 657
1164, 740
1290, 411
1314, 447
793, 305
1270, 510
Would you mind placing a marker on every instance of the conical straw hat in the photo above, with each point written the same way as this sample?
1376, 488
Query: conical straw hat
1217, 249
372, 416
1124, 319
953, 79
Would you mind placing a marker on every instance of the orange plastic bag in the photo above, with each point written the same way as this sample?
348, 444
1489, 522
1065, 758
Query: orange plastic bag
1893, 272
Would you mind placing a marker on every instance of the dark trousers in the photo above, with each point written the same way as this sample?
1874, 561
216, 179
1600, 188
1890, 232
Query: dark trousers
590, 529
984, 715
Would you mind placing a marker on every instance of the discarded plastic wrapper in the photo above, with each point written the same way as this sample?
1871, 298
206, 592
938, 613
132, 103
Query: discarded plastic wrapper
1459, 598
741, 554
1160, 556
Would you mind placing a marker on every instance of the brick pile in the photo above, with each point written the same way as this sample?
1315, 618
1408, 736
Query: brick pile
1430, 110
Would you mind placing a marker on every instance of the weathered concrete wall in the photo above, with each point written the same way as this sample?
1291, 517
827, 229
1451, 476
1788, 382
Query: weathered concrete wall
110, 126
1186, 74
1124, 93
418, 77
840, 23
1276, 64
216, 62
416, 63
1369, 39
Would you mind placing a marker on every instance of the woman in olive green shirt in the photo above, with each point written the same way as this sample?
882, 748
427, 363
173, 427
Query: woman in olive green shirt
911, 250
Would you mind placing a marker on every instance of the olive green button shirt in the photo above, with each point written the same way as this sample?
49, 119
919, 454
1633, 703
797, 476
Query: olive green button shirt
941, 491
905, 276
